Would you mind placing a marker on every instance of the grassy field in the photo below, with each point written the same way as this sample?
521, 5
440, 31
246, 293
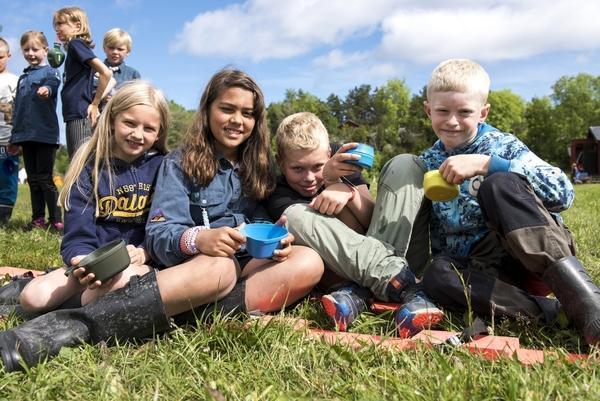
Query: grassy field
228, 360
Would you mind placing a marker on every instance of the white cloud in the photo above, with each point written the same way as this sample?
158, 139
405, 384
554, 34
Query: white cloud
264, 29
338, 59
491, 33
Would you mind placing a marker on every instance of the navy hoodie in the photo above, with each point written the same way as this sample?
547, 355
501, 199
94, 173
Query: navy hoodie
122, 212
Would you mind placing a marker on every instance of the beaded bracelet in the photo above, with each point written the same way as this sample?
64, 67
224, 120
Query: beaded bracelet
187, 243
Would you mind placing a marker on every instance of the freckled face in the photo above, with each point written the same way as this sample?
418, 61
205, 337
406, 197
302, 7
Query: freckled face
231, 120
303, 169
455, 116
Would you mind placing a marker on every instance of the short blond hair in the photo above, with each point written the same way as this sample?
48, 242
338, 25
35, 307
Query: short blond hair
300, 131
117, 36
4, 44
459, 75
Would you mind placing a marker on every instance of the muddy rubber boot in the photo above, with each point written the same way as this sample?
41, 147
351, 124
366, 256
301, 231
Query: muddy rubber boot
578, 295
9, 292
134, 311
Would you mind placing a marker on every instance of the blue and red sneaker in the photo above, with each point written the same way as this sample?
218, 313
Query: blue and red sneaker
344, 305
416, 314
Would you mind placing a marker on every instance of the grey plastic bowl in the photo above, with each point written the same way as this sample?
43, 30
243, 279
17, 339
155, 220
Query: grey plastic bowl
107, 261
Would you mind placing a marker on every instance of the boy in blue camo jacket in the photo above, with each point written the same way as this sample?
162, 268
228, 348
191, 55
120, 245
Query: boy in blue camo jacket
502, 236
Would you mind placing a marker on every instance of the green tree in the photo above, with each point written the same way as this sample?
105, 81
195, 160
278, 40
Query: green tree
418, 126
391, 106
507, 112
542, 131
299, 101
181, 120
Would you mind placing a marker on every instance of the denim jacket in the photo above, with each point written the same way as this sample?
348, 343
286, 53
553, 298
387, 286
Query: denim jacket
179, 204
34, 118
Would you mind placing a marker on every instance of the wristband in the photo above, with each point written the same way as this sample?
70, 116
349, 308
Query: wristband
187, 243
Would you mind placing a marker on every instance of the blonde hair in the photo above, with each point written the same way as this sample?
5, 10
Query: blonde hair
300, 131
75, 15
4, 43
199, 161
98, 150
459, 75
117, 36
34, 36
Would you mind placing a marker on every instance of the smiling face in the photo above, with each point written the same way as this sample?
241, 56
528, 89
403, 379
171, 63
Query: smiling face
231, 120
303, 169
136, 130
34, 52
116, 54
455, 116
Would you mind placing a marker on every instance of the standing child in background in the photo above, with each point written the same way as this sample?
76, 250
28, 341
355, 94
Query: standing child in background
204, 190
502, 237
117, 46
9, 162
35, 128
80, 105
376, 262
107, 194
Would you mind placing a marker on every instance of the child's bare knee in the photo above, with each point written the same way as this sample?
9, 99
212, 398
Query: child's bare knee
35, 296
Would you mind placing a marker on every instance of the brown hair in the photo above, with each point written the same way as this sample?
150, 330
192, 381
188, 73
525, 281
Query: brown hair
199, 160
34, 35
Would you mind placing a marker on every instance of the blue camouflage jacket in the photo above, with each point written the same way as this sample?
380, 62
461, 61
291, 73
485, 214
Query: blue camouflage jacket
458, 224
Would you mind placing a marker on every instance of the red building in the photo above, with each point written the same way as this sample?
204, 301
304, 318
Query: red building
587, 152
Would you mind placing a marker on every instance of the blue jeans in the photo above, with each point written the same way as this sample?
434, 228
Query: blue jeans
9, 177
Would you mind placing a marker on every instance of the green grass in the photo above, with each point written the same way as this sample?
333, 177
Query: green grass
228, 360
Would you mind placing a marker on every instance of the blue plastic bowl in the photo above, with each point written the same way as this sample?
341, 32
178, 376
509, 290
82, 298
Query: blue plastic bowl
262, 239
367, 155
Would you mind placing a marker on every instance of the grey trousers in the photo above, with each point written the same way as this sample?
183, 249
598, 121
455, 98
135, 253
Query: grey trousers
398, 235
78, 131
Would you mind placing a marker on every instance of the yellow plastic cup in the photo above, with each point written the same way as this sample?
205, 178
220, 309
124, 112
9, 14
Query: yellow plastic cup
437, 189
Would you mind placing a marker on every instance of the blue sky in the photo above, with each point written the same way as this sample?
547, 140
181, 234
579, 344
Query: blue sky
331, 46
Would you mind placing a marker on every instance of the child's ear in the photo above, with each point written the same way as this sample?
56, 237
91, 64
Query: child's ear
485, 110
427, 108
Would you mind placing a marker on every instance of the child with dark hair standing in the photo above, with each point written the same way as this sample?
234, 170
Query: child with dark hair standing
35, 128
80, 104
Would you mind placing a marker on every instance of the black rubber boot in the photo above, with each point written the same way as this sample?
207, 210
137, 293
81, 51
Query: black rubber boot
9, 293
135, 311
578, 294
233, 304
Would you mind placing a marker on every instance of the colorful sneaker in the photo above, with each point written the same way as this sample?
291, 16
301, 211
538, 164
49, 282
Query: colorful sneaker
399, 283
345, 304
418, 313
57, 226
40, 222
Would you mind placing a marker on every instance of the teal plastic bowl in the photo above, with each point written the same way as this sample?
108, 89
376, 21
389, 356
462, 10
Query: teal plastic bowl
107, 261
262, 239
366, 153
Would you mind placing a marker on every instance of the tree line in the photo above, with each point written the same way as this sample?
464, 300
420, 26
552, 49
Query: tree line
393, 121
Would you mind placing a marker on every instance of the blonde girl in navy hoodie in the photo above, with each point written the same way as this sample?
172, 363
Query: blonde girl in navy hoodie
107, 194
